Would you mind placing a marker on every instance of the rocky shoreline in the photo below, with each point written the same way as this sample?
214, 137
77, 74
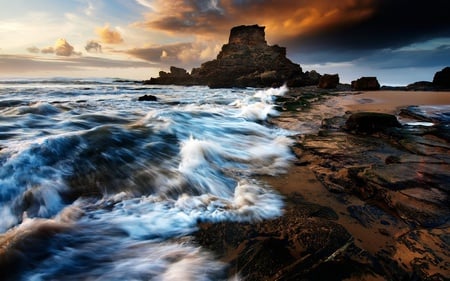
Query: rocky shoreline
367, 198
363, 202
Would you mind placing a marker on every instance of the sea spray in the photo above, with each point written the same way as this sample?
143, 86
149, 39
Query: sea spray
110, 188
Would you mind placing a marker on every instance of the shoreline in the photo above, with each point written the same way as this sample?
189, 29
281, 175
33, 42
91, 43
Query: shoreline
331, 230
301, 179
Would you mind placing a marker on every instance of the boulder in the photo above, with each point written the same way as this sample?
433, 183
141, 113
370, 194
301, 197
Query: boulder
441, 78
328, 81
371, 122
366, 84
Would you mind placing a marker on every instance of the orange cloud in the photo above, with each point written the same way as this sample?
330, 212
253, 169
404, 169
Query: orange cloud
109, 36
283, 18
63, 48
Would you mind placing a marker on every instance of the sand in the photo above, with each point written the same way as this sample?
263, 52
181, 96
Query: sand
391, 101
302, 180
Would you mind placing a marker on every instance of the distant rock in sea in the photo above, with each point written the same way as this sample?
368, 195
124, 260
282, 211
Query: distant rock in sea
246, 61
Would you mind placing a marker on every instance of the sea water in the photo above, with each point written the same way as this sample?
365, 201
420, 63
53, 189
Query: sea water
96, 185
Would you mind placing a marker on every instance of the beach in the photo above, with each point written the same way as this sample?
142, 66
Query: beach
330, 187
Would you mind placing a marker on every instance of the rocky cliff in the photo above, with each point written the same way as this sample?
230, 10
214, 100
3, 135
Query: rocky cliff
246, 61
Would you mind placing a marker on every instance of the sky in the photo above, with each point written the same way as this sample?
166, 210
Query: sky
400, 42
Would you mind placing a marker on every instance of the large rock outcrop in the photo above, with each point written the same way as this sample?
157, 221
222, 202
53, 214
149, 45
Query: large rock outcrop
441, 78
246, 61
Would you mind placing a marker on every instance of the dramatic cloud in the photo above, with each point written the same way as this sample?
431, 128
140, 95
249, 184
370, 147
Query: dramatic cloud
283, 17
108, 35
309, 25
93, 47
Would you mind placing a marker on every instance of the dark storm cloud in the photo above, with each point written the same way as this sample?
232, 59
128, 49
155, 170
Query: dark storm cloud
393, 24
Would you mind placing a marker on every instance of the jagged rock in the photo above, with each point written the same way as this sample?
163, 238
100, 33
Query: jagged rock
366, 84
441, 78
370, 122
328, 81
245, 61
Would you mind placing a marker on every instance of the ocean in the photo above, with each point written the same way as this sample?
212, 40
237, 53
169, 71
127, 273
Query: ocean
96, 185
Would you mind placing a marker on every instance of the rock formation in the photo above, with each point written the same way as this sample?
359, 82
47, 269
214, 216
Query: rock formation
441, 79
366, 84
328, 81
246, 61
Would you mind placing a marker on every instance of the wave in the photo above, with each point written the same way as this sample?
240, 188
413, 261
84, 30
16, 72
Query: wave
97, 180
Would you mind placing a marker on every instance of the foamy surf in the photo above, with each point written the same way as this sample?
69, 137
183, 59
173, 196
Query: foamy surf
111, 187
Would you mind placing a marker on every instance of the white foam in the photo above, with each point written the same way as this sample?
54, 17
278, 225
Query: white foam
260, 106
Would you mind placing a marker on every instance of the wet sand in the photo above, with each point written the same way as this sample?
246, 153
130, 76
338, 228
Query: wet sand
301, 179
391, 101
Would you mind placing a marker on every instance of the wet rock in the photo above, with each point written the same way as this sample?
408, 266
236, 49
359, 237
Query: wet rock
328, 81
371, 122
441, 78
147, 98
401, 175
366, 84
286, 248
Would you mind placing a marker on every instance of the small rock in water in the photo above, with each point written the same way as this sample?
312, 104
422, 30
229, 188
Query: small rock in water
147, 98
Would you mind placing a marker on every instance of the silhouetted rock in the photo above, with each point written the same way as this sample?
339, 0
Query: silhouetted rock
366, 84
441, 78
246, 61
328, 81
421, 86
371, 122
147, 98
176, 76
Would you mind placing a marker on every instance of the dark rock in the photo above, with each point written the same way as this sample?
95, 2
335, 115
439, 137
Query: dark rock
328, 81
147, 98
441, 78
371, 122
176, 76
421, 86
246, 61
285, 248
366, 84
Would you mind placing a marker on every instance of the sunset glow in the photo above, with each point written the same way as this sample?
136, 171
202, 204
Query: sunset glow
156, 34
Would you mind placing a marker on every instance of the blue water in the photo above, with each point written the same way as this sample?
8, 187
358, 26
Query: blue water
95, 185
